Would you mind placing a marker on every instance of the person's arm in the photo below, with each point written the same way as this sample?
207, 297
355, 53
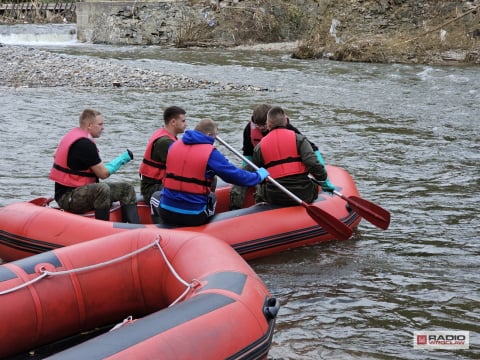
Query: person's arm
100, 170
291, 127
83, 155
231, 174
103, 171
309, 158
160, 148
247, 142
257, 158
314, 166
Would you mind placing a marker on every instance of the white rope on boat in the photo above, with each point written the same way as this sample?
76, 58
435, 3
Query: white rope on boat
189, 286
156, 243
21, 286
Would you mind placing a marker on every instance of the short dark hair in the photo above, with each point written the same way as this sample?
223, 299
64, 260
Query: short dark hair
276, 116
172, 112
259, 115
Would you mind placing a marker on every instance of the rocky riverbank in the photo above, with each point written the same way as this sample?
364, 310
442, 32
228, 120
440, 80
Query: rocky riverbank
29, 67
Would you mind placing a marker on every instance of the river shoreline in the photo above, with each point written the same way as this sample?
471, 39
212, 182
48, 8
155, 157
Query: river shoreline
26, 66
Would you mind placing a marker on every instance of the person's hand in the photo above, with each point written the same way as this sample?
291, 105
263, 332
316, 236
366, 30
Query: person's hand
263, 173
120, 160
327, 186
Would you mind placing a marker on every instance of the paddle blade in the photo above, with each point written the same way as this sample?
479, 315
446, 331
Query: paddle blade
330, 223
371, 212
41, 201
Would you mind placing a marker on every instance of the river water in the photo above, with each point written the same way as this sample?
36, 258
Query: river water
408, 134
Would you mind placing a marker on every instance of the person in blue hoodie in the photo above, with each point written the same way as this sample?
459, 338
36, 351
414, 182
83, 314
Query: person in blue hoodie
188, 197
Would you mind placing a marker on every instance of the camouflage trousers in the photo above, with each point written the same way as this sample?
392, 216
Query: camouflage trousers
238, 193
97, 196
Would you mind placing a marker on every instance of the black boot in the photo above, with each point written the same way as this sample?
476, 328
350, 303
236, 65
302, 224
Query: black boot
156, 219
102, 214
130, 214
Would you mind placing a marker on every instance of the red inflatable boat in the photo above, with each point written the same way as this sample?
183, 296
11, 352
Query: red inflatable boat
189, 295
29, 228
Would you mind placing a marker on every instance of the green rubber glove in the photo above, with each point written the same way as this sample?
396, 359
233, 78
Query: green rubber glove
120, 160
327, 186
320, 158
244, 163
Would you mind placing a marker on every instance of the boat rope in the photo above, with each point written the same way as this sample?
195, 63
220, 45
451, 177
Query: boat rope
188, 286
156, 243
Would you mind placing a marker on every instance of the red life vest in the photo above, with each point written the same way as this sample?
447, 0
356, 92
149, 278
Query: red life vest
149, 167
255, 133
186, 167
280, 153
60, 171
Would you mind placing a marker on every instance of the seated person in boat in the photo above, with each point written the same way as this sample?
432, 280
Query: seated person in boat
253, 132
152, 168
289, 158
188, 197
77, 168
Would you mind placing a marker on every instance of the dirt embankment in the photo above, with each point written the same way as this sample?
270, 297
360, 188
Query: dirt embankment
405, 31
387, 31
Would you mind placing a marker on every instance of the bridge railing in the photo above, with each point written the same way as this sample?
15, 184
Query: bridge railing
13, 11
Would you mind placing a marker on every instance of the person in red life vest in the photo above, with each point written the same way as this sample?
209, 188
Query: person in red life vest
188, 197
289, 158
152, 168
77, 168
253, 132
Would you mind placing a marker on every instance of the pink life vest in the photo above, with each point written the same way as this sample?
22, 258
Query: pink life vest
60, 171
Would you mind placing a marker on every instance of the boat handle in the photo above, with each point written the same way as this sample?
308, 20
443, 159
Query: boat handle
271, 308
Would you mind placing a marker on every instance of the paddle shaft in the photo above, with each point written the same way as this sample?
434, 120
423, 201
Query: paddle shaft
371, 212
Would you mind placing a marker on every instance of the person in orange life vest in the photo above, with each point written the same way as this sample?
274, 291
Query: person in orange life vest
77, 168
253, 132
289, 158
152, 168
192, 164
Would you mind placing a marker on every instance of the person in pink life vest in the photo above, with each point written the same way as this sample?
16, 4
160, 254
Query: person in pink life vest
77, 168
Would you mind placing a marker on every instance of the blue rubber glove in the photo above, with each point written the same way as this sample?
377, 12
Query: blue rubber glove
319, 157
244, 163
116, 163
263, 173
327, 186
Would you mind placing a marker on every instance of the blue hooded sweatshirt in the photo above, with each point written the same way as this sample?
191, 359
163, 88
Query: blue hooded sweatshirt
218, 164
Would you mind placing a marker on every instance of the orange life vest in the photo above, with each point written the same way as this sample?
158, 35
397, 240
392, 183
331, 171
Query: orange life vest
149, 167
255, 133
186, 167
280, 153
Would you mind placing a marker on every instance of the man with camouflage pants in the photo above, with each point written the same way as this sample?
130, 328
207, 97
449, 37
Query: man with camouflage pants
77, 169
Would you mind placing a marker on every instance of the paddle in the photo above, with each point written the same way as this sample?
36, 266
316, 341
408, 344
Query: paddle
371, 212
41, 201
330, 223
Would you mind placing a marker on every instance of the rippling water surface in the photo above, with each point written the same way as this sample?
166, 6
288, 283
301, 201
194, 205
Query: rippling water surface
409, 135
